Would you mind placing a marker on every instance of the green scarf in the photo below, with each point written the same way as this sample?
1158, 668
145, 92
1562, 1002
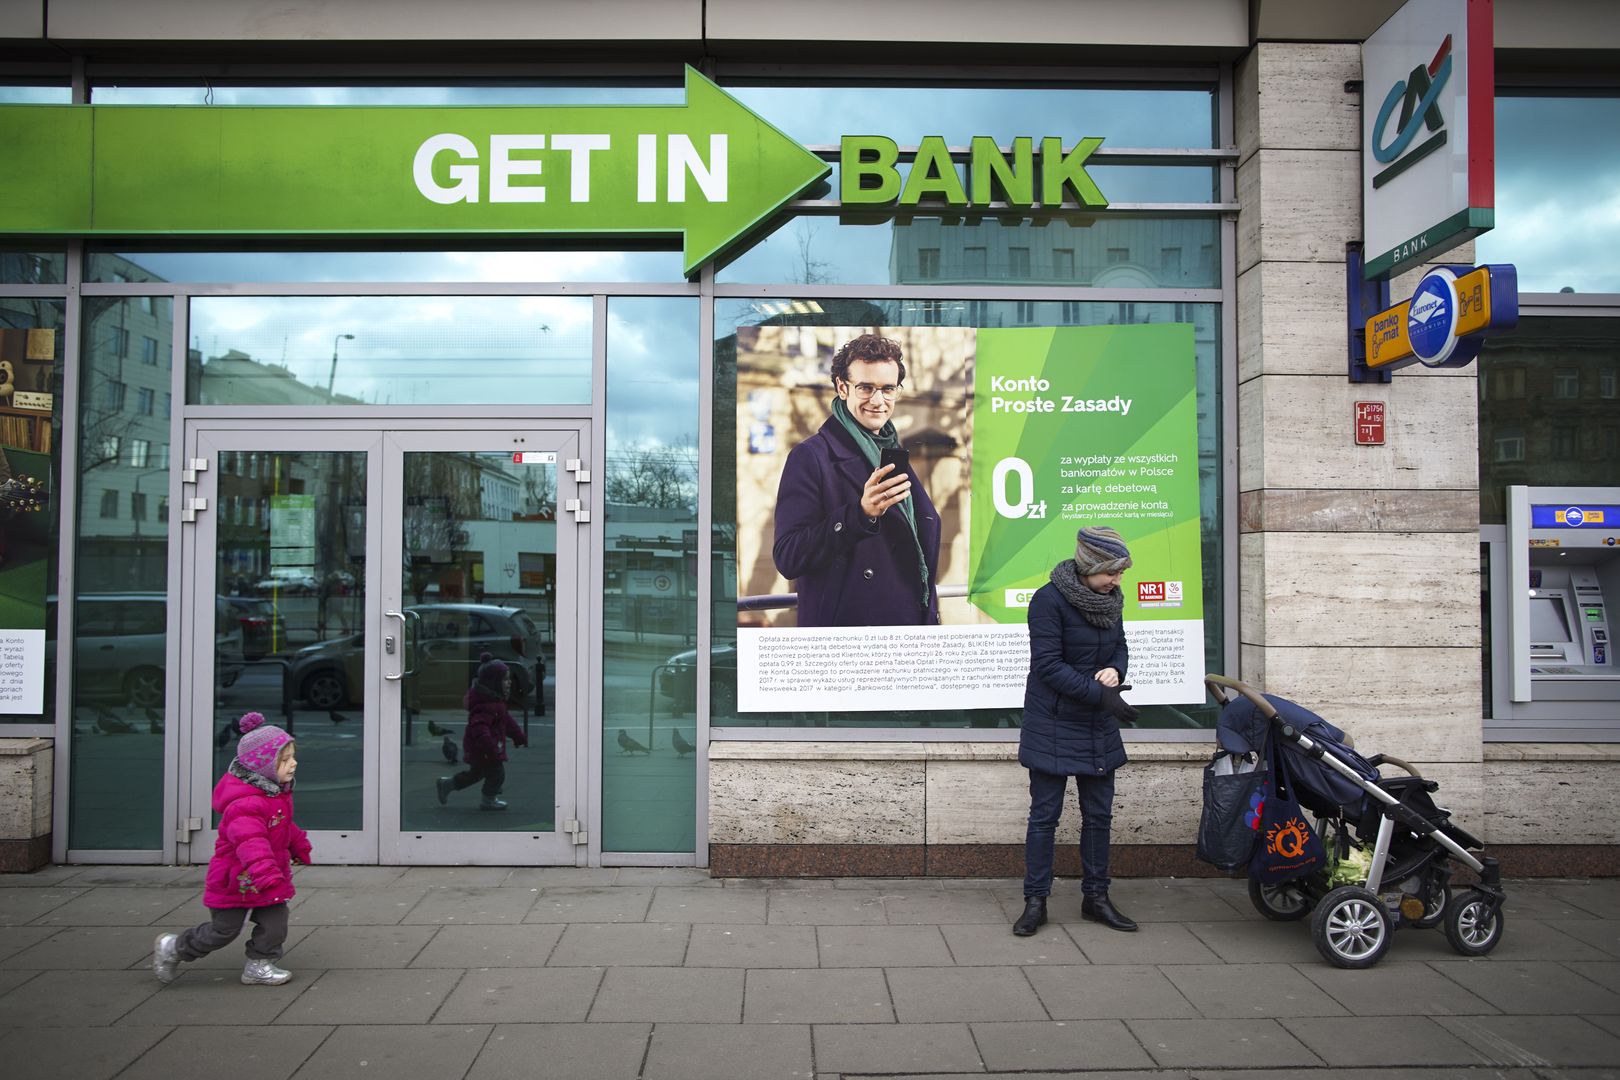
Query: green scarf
871, 445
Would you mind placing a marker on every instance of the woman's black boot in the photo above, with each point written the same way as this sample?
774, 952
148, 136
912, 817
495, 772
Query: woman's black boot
1032, 918
1099, 909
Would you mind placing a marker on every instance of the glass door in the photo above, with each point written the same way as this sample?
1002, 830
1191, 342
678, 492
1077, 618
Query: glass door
353, 586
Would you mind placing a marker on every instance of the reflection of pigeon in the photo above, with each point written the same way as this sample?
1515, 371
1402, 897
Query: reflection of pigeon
154, 721
682, 747
436, 730
335, 716
627, 745
110, 723
451, 754
226, 734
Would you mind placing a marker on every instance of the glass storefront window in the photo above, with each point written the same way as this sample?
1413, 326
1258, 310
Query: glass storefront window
385, 266
759, 415
30, 427
649, 603
1103, 252
1555, 186
120, 645
38, 94
1549, 408
389, 350
29, 266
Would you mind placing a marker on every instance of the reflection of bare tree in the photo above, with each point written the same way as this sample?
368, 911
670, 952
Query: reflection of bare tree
655, 475
810, 270
442, 494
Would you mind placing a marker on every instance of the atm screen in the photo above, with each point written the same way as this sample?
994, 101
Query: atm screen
1549, 620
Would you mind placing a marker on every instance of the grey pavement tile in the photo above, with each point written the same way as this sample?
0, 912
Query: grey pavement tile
889, 884
1600, 896
1147, 901
1153, 943
1536, 1041
10, 980
371, 997
574, 1051
201, 998
729, 1052
1531, 939
937, 995
1392, 990
715, 945
983, 884
73, 947
526, 945
1250, 990
663, 876
521, 996
1060, 1044
44, 878
540, 877
815, 883
826, 907
1382, 1041
455, 876
1607, 1023
336, 947
1156, 1074
1605, 973
1542, 900
472, 905
142, 876
608, 944
941, 907
1261, 941
346, 877
895, 1048
1213, 1044
397, 1052
19, 906
1600, 934
16, 939
882, 946
1428, 1072
994, 945
1117, 991
1529, 987
814, 996
76, 1053
98, 998
110, 905
706, 904
357, 905
242, 1053
592, 904
669, 995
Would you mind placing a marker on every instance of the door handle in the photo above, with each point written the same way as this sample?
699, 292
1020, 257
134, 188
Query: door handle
400, 615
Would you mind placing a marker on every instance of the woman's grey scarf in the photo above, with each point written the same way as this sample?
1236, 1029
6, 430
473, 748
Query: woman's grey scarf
1099, 609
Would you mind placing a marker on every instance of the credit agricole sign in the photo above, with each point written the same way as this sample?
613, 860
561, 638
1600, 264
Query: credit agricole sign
710, 170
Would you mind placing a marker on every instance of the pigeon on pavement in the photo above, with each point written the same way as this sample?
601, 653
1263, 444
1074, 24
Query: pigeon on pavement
627, 745
682, 747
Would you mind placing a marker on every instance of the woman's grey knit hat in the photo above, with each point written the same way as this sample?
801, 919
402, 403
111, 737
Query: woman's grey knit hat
1099, 550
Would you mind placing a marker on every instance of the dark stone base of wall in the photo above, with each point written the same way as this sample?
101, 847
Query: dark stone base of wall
1130, 860
24, 856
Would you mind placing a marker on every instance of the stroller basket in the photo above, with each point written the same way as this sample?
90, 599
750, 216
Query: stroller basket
1410, 842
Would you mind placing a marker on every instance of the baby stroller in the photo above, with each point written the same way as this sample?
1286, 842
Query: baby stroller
1390, 828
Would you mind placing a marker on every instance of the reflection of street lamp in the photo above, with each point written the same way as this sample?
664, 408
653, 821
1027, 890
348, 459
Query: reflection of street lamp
332, 376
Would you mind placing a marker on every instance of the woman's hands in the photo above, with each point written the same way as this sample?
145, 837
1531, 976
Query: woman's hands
883, 491
1107, 676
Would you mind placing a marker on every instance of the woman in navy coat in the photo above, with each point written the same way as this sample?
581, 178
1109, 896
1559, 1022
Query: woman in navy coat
1072, 711
858, 540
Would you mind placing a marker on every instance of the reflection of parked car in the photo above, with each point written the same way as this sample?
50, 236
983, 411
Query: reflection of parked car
263, 630
120, 646
304, 584
444, 643
677, 679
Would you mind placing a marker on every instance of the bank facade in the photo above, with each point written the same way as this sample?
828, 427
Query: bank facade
319, 471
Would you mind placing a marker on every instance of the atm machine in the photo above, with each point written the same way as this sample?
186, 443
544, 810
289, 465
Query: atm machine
1555, 587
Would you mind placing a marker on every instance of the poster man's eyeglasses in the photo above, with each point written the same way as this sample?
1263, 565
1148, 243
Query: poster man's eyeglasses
865, 390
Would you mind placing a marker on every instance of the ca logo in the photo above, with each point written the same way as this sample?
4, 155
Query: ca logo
1418, 96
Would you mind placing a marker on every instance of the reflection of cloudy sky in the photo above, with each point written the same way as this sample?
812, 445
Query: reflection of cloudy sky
479, 266
652, 372
1557, 193
412, 350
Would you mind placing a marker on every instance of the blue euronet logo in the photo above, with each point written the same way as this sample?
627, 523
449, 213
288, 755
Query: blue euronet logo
1418, 96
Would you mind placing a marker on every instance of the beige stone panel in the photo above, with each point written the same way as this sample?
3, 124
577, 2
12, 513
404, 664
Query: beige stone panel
1302, 103
1252, 590
1251, 425
1419, 704
815, 802
1327, 510
1252, 669
1246, 104
1348, 589
1298, 206
25, 788
1158, 802
1430, 434
1291, 320
1552, 802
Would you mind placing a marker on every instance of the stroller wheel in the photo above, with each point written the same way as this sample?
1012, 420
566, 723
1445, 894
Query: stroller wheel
1351, 928
1286, 902
1436, 902
1472, 927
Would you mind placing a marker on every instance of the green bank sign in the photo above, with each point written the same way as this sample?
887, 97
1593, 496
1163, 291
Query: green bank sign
710, 170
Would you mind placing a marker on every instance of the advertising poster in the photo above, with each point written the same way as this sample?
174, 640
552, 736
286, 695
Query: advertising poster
27, 366
1014, 439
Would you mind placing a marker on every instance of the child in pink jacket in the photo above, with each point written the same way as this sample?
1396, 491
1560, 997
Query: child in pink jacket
250, 875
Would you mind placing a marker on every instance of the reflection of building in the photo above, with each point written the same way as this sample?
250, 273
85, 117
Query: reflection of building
236, 378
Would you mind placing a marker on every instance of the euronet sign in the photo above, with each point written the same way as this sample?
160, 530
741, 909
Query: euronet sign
710, 170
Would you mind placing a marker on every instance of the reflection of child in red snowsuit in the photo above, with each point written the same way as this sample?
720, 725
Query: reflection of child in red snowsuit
483, 745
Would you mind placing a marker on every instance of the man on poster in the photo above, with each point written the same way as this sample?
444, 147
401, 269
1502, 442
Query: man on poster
858, 537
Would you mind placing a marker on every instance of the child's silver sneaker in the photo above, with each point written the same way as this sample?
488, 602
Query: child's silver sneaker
165, 956
264, 973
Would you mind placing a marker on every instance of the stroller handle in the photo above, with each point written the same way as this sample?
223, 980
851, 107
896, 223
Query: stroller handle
1219, 685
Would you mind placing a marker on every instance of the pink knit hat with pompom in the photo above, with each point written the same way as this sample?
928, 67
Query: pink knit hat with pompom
260, 744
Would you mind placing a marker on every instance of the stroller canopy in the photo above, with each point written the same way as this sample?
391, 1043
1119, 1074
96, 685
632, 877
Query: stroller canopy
1242, 729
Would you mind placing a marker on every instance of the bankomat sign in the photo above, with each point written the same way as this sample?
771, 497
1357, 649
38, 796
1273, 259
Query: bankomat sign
1428, 135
